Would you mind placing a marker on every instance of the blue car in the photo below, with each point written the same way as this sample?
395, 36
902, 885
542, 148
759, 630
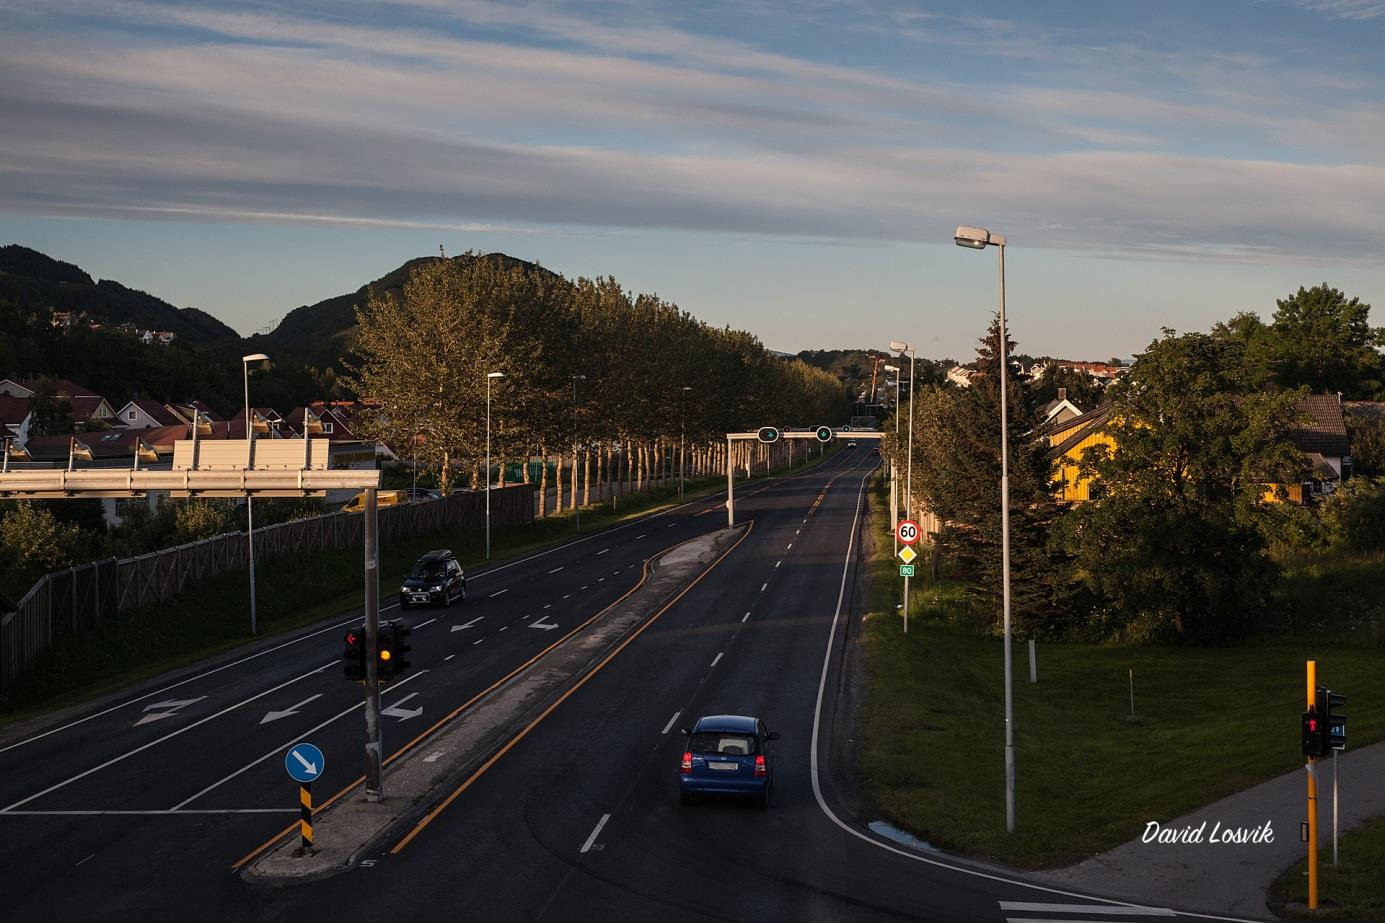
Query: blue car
727, 755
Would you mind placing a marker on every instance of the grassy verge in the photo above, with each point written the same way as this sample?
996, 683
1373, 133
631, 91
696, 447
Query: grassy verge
292, 592
1209, 722
1352, 891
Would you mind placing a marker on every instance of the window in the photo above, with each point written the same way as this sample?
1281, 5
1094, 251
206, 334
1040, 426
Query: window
326, 426
723, 743
131, 415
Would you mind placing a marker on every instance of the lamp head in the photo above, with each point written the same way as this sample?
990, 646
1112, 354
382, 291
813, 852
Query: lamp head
255, 357
899, 346
891, 368
495, 374
977, 238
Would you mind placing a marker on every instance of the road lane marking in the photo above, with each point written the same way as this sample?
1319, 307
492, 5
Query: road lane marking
481, 770
284, 746
433, 757
477, 641
595, 833
548, 605
539, 623
429, 622
669, 726
558, 568
449, 657
717, 659
790, 548
763, 586
815, 774
403, 714
503, 627
671, 525
745, 617
585, 585
1124, 910
600, 579
169, 736
291, 710
567, 596
92, 856
776, 564
468, 624
498, 592
602, 551
170, 708
640, 536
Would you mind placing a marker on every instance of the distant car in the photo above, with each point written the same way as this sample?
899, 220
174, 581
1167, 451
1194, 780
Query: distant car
382, 498
416, 494
851, 444
436, 580
727, 755
875, 451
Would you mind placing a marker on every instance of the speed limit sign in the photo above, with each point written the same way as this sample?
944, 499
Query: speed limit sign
907, 531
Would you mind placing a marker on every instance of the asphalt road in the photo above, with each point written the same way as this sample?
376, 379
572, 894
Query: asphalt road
127, 815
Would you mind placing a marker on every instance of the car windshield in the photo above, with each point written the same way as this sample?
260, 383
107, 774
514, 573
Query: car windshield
723, 743
428, 571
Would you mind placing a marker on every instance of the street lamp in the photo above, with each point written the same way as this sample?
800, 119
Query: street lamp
979, 239
577, 507
489, 377
899, 346
682, 425
249, 510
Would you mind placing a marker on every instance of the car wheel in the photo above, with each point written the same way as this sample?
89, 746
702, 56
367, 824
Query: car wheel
762, 801
463, 592
446, 598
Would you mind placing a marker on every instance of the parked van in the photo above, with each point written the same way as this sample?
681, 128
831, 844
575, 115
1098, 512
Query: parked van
382, 498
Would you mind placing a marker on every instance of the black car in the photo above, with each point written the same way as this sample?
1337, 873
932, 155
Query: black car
436, 579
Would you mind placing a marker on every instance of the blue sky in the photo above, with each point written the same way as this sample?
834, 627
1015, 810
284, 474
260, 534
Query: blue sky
795, 169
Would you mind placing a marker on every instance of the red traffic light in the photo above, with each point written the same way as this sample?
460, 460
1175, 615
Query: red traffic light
352, 639
1313, 725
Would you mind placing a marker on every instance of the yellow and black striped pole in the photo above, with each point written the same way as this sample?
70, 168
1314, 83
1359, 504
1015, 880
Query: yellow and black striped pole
305, 814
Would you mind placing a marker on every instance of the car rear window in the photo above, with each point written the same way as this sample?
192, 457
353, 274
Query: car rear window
723, 744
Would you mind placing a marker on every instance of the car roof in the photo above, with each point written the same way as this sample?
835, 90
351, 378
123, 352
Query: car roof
442, 554
736, 723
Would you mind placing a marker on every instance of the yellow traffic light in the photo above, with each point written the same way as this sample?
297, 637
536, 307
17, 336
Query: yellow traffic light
385, 655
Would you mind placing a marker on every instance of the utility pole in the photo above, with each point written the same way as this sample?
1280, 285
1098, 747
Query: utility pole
374, 746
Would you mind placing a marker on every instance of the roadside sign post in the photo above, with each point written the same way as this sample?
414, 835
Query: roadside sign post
907, 531
1312, 800
305, 763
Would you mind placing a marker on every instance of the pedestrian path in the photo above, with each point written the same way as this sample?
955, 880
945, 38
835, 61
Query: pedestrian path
1226, 876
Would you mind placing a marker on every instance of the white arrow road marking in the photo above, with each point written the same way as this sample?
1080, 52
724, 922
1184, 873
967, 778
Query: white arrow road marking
540, 623
291, 710
170, 708
595, 833
311, 767
403, 714
468, 624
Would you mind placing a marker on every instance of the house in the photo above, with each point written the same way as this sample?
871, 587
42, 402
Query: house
1060, 409
161, 337
15, 417
1321, 437
269, 420
145, 414
87, 406
186, 411
962, 377
114, 448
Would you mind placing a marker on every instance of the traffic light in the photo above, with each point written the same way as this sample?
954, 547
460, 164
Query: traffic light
393, 646
354, 654
824, 434
1334, 723
1312, 734
768, 434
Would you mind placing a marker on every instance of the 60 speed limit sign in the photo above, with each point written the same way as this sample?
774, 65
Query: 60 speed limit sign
907, 531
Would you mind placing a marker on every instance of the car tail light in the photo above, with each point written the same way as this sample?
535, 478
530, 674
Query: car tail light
686, 767
760, 765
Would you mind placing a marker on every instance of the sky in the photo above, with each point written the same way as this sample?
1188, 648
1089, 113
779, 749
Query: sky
795, 169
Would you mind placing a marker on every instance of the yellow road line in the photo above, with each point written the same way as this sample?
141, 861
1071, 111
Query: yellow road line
428, 818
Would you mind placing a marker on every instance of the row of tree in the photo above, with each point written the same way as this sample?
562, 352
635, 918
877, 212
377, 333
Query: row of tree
551, 367
1175, 545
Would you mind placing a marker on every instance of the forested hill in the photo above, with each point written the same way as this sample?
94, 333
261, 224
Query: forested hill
320, 334
33, 281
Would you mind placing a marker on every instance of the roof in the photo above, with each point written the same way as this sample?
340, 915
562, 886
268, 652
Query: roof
735, 723
1078, 428
13, 410
115, 443
1321, 468
154, 410
86, 405
441, 554
1325, 432
60, 385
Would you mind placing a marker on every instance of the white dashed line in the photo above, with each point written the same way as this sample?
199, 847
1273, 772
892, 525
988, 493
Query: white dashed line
602, 551
671, 525
556, 569
498, 592
548, 605
600, 579
669, 726
595, 833
567, 595
421, 624
790, 545
477, 641
585, 585
776, 564
449, 657
640, 536
763, 586
503, 627
796, 531
717, 659
745, 617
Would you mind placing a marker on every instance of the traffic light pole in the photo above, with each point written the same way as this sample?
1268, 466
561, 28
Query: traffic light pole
1312, 797
374, 790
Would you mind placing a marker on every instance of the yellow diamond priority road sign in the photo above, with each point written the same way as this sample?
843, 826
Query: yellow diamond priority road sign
907, 554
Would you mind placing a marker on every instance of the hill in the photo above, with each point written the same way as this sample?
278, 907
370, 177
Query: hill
34, 281
321, 334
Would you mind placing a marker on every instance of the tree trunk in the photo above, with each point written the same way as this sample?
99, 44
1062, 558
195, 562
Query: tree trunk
445, 473
558, 483
575, 504
543, 484
587, 477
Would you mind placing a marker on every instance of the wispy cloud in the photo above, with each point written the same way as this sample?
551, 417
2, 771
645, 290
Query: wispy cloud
1345, 9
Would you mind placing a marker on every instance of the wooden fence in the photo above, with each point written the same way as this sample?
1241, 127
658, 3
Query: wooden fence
67, 601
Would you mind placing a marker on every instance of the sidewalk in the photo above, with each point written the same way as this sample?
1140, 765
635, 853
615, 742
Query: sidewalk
1232, 878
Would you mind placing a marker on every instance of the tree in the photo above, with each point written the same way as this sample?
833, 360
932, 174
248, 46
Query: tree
1171, 546
1323, 341
33, 543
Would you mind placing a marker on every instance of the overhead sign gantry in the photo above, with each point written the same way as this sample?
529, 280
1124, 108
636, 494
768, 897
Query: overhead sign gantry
772, 434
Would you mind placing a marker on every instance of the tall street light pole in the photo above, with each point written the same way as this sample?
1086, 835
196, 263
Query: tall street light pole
577, 507
490, 376
682, 426
979, 239
250, 458
894, 486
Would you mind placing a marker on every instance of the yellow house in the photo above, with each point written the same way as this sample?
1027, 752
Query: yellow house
1067, 440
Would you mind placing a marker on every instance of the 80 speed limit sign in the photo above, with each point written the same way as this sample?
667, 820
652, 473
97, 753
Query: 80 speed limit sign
907, 531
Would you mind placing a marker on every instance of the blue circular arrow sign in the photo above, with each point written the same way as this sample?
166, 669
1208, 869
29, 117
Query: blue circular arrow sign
304, 762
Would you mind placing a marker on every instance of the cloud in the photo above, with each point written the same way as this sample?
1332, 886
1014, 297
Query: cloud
531, 118
1345, 9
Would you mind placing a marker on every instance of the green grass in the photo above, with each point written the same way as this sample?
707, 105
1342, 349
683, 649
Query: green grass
1332, 592
1209, 722
292, 592
1353, 890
